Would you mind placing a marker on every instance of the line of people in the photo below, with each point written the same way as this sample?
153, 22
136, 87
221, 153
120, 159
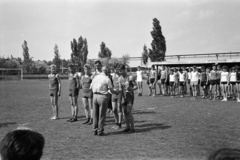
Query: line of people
100, 91
212, 83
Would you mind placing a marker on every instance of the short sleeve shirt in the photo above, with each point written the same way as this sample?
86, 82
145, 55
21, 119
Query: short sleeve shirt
101, 83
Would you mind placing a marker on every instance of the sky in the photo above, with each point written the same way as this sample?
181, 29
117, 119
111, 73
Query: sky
189, 26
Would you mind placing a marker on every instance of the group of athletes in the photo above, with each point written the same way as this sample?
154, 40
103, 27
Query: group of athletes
111, 91
214, 82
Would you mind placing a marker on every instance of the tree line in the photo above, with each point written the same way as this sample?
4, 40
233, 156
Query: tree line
79, 55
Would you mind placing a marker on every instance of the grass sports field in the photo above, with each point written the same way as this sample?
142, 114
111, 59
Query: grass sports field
166, 128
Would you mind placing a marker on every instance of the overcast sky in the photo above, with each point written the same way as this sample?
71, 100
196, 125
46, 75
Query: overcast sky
189, 26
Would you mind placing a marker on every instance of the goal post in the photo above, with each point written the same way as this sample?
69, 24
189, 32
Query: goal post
11, 74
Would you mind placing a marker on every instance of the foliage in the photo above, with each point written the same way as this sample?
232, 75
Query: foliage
79, 52
10, 62
157, 53
104, 52
56, 59
125, 60
27, 60
145, 55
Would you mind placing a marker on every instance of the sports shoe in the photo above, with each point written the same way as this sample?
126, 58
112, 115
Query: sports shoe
74, 120
87, 120
117, 127
70, 119
53, 118
90, 122
126, 130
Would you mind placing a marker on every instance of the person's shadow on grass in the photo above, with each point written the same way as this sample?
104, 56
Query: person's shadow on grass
6, 124
144, 128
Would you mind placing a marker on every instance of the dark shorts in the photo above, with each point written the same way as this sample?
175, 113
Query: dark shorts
73, 92
87, 94
189, 81
117, 97
152, 80
223, 82
128, 98
181, 83
203, 83
163, 81
53, 92
233, 83
218, 81
171, 83
213, 82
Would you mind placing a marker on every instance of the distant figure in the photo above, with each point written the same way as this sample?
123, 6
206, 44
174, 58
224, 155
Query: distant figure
225, 154
22, 145
74, 86
139, 81
54, 90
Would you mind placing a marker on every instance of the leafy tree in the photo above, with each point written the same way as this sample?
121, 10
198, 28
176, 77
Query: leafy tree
157, 53
104, 52
125, 59
145, 55
79, 52
56, 59
27, 60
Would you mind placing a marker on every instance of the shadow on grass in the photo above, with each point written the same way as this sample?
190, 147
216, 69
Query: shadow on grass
142, 112
145, 128
79, 117
6, 124
111, 121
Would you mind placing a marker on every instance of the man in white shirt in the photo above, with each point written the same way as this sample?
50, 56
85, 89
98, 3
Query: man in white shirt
100, 86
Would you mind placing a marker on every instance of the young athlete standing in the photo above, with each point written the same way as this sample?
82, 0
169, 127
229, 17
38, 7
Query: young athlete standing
233, 80
176, 80
203, 82
219, 92
152, 82
87, 94
224, 82
139, 81
213, 82
74, 86
117, 100
238, 83
194, 81
128, 86
189, 82
54, 91
171, 83
164, 80
182, 82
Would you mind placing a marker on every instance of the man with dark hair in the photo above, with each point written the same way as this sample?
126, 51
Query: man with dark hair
22, 145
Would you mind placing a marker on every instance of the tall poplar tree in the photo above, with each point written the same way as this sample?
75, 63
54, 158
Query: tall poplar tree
56, 59
145, 55
157, 53
79, 52
104, 52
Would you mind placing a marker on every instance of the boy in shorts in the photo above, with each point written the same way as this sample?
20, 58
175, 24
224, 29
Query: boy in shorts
87, 94
171, 84
54, 90
152, 77
194, 81
163, 79
139, 81
182, 81
213, 82
203, 81
128, 85
74, 86
117, 100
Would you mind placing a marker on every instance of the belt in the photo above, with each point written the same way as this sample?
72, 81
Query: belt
99, 93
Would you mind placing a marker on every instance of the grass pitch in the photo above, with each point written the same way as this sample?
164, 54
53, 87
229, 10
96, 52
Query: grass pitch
166, 128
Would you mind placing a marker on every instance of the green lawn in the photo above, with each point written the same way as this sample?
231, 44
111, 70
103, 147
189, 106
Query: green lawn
166, 128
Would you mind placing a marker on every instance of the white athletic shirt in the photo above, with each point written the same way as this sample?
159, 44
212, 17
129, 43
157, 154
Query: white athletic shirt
139, 76
189, 75
194, 76
233, 77
181, 77
171, 77
224, 76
